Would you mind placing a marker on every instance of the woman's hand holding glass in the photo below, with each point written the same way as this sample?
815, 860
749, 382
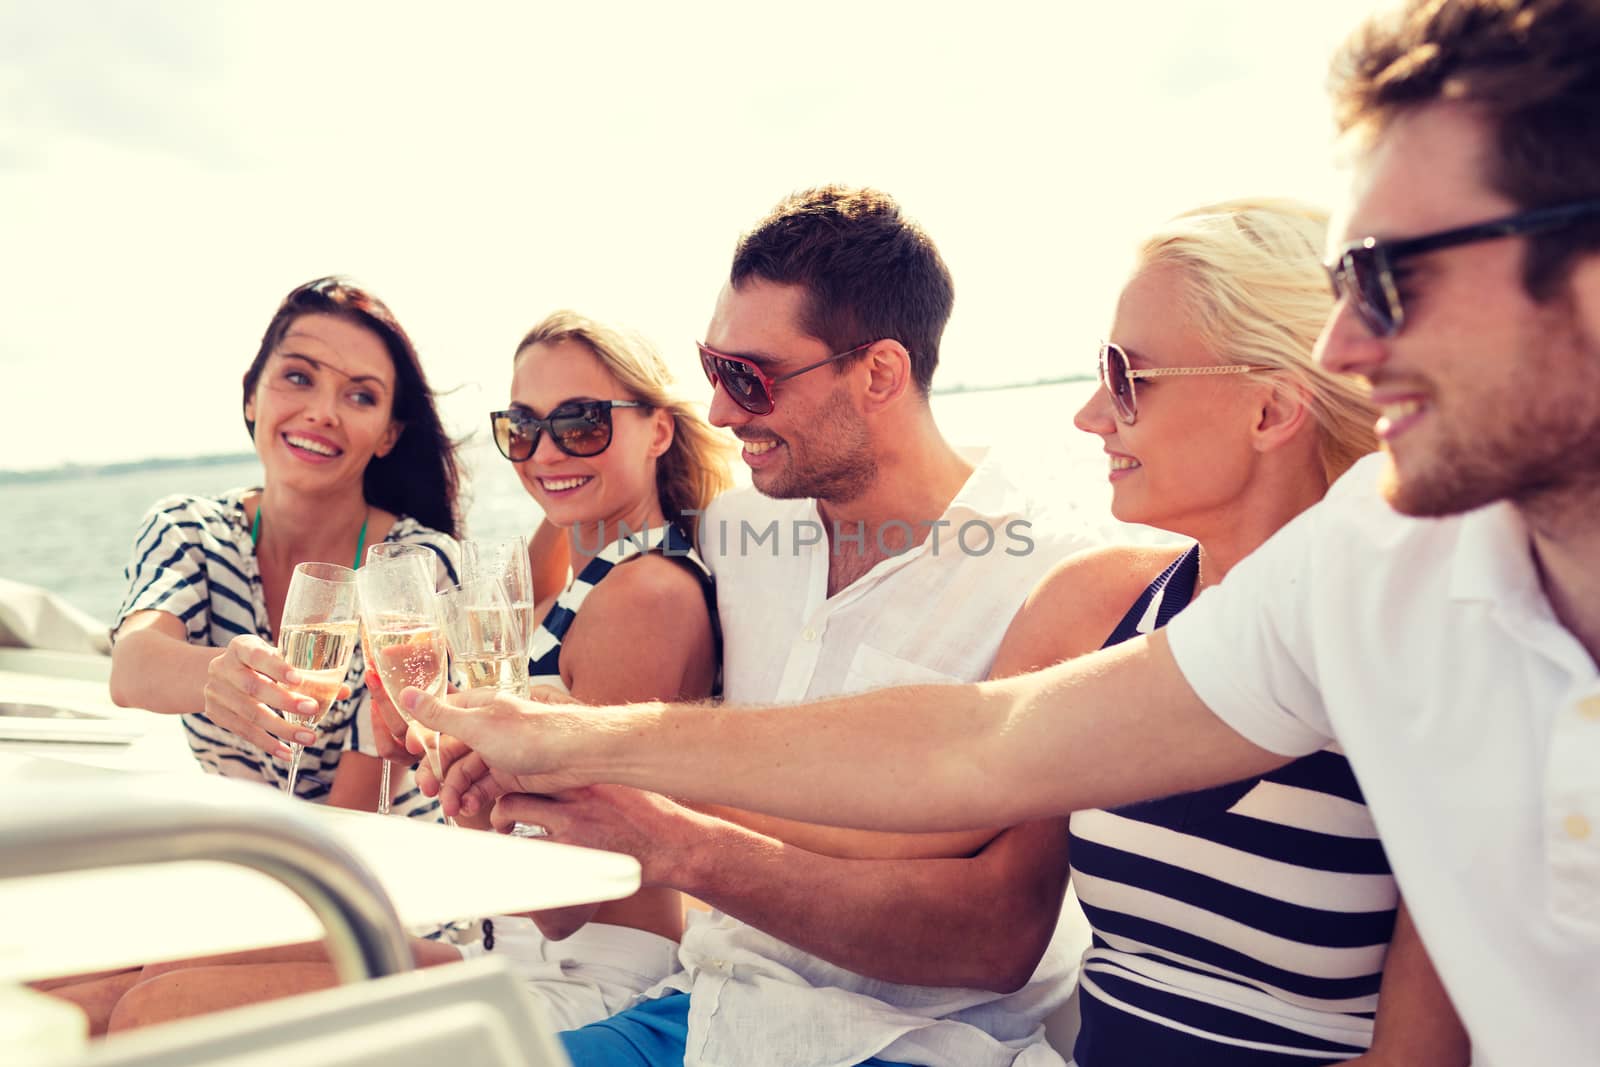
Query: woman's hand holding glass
316, 638
250, 690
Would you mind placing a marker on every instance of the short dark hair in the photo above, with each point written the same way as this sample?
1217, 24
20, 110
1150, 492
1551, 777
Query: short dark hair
419, 476
1530, 67
869, 271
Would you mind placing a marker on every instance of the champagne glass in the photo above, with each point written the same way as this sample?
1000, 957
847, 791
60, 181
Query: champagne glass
316, 637
399, 610
505, 560
485, 641
381, 551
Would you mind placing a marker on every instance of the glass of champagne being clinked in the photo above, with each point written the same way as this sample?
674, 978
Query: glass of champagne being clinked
506, 561
486, 642
381, 551
316, 637
400, 612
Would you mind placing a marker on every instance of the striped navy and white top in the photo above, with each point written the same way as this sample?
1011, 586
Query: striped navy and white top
544, 651
194, 559
1243, 925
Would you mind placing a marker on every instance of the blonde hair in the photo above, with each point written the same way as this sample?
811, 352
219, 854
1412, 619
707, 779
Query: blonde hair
697, 465
1257, 293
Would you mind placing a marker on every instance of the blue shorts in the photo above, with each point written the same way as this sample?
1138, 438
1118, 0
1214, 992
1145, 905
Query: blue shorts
651, 1034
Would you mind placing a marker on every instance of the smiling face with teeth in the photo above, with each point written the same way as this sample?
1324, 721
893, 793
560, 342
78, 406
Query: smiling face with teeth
321, 409
615, 487
815, 441
1484, 394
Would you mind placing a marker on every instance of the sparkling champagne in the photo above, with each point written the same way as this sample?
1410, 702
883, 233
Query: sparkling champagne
321, 653
507, 672
522, 611
408, 650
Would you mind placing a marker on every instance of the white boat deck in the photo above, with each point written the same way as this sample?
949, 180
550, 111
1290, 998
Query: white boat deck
432, 873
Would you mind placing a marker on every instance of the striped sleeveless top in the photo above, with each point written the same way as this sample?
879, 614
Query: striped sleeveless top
193, 559
544, 651
1244, 925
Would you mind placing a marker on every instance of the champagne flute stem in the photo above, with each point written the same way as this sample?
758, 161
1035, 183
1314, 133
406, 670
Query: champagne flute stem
295, 751
383, 791
433, 761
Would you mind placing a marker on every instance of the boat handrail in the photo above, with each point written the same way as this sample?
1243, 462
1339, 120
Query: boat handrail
365, 938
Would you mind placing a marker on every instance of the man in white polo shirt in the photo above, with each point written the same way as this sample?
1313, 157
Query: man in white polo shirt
1438, 615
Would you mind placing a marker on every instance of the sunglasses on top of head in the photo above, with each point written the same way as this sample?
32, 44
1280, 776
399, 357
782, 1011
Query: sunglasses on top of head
1364, 270
579, 428
747, 384
1117, 377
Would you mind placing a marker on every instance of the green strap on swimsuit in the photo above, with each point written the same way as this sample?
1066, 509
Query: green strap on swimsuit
361, 541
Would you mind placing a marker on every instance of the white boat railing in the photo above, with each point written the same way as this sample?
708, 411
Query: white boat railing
365, 939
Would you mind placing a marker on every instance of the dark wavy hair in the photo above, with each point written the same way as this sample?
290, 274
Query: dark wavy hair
419, 477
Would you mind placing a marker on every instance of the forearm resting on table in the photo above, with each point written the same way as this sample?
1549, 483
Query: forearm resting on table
156, 669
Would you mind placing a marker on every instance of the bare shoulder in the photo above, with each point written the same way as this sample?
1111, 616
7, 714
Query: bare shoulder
648, 582
644, 632
1078, 603
1119, 572
646, 595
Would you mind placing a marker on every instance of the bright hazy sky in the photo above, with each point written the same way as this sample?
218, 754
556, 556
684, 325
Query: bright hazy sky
169, 170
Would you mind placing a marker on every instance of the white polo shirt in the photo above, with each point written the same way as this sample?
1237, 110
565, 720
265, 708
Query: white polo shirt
934, 614
1427, 649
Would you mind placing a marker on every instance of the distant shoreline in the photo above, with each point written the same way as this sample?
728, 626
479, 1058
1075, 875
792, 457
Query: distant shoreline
68, 471
1065, 379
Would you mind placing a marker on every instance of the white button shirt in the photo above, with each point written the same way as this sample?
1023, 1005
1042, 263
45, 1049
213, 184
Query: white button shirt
1427, 648
934, 614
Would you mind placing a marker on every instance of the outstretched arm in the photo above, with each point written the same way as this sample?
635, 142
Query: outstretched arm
1103, 730
241, 688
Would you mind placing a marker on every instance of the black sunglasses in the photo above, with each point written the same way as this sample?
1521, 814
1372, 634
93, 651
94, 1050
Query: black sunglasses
747, 384
578, 428
1364, 269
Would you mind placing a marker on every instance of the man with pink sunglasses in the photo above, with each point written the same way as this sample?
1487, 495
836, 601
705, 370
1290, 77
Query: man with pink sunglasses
869, 553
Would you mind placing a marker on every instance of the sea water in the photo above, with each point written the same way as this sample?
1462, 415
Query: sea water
73, 535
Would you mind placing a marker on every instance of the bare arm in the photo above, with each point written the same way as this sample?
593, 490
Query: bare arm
965, 909
1416, 1026
978, 922
1103, 730
241, 688
153, 665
